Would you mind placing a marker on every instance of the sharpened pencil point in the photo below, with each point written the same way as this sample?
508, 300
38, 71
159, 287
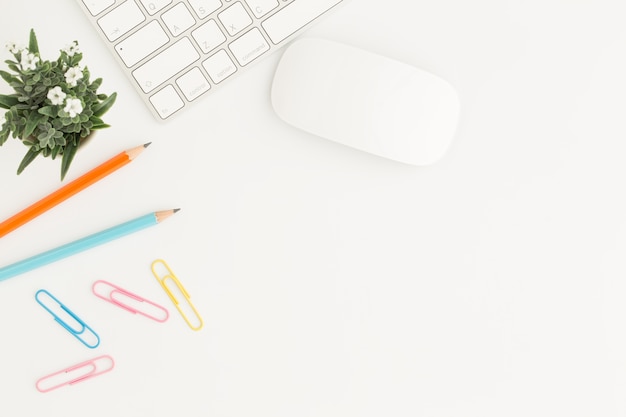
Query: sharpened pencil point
162, 215
145, 145
176, 210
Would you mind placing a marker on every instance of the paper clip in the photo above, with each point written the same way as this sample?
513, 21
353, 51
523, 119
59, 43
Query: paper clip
76, 373
162, 278
108, 292
91, 339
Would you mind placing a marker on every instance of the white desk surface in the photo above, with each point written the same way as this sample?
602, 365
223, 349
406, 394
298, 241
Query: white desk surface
332, 282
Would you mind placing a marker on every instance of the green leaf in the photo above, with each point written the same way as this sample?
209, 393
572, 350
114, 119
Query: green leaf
75, 59
32, 121
68, 156
7, 101
60, 139
39, 90
50, 111
104, 106
28, 158
96, 84
96, 120
8, 77
33, 47
4, 135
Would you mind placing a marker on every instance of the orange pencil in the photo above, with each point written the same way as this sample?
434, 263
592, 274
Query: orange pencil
70, 189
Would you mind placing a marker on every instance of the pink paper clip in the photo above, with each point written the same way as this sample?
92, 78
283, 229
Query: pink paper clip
75, 374
108, 291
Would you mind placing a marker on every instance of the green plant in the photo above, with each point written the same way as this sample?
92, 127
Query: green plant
55, 106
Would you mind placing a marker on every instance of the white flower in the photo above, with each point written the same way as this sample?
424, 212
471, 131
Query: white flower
72, 75
73, 106
11, 46
14, 47
72, 49
56, 95
29, 61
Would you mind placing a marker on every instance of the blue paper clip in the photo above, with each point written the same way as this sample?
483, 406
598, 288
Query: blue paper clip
79, 331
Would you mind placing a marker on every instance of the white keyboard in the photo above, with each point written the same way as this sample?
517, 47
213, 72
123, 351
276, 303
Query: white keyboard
176, 51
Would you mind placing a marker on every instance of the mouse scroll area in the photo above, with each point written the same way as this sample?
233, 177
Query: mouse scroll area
365, 101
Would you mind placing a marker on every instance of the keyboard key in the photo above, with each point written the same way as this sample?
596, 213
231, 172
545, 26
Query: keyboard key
178, 19
142, 43
98, 6
176, 51
219, 66
165, 65
248, 47
295, 16
209, 36
120, 20
193, 84
235, 19
154, 6
262, 7
166, 102
203, 8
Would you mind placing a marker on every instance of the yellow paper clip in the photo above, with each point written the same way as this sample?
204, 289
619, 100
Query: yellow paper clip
167, 274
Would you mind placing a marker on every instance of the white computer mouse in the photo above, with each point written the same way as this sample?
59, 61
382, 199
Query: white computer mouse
365, 100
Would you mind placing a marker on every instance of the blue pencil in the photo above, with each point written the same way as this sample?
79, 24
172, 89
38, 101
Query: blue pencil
85, 243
